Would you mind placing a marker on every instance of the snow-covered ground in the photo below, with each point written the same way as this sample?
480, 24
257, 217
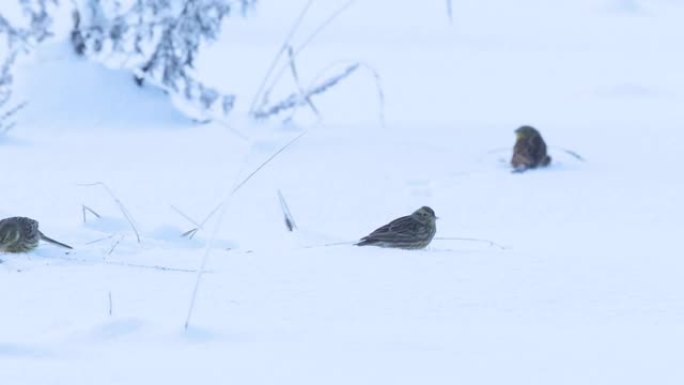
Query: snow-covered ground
588, 288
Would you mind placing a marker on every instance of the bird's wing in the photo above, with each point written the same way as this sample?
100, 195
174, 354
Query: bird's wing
536, 147
9, 235
526, 147
523, 154
396, 227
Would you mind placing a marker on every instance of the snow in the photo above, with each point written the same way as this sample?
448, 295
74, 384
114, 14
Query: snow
588, 289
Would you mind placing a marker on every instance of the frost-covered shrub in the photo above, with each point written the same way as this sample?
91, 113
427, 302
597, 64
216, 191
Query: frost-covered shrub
20, 31
158, 41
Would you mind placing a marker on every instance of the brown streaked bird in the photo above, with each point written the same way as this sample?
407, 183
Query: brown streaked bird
529, 150
413, 231
21, 234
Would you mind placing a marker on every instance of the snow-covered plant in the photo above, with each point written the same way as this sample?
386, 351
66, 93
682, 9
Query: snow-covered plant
158, 41
19, 33
263, 107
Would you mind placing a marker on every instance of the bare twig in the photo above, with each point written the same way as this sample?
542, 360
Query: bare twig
85, 209
289, 220
490, 243
121, 206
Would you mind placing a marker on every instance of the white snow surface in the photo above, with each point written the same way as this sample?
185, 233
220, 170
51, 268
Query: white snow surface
588, 288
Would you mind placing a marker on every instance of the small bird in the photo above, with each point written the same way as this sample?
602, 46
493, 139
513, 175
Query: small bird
21, 234
414, 231
529, 150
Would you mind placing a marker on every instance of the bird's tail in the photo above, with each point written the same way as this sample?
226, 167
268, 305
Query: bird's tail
48, 239
364, 242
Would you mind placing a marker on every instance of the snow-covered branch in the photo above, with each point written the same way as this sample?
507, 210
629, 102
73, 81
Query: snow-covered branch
303, 97
19, 35
158, 41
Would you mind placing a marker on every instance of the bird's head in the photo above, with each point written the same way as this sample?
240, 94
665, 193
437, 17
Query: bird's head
526, 132
425, 214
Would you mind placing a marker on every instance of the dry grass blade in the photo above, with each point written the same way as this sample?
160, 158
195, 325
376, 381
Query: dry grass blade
570, 152
150, 267
270, 158
377, 80
295, 76
127, 265
205, 258
187, 217
191, 233
301, 98
349, 243
264, 97
289, 220
282, 49
450, 11
323, 25
5, 124
381, 92
121, 206
100, 239
221, 208
487, 241
115, 244
296, 99
85, 209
